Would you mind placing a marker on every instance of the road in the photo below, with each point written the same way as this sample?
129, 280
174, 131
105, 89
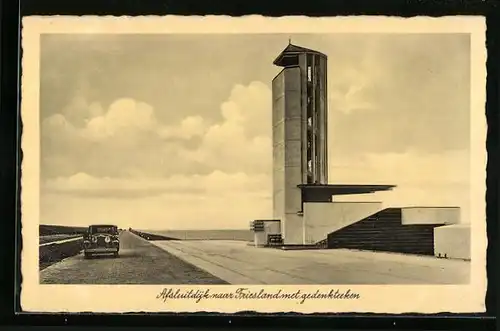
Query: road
236, 262
140, 262
239, 263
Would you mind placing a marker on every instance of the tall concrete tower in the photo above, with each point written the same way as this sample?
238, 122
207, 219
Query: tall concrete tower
300, 121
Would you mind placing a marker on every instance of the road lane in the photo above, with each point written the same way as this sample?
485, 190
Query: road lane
239, 263
140, 262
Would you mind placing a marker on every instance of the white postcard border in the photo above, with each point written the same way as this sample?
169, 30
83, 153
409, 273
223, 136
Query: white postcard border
143, 298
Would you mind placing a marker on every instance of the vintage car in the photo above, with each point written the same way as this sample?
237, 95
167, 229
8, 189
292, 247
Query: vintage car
101, 239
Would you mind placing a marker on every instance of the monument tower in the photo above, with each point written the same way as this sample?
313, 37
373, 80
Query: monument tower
300, 132
300, 143
306, 208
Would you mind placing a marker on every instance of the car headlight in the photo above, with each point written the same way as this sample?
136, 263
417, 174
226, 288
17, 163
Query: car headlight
94, 239
107, 239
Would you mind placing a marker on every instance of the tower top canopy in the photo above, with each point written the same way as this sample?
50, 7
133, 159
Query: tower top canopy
289, 55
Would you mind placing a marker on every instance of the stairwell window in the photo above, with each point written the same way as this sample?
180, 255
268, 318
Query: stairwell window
309, 74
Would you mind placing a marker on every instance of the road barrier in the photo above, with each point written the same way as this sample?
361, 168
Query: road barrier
52, 252
150, 236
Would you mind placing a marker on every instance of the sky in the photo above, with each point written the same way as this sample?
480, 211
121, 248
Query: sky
174, 131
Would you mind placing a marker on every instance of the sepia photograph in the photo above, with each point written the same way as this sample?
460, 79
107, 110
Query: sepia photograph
269, 162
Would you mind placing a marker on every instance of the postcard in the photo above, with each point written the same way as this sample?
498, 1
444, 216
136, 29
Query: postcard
223, 164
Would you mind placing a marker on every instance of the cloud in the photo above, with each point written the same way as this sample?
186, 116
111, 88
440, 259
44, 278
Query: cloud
192, 126
422, 179
127, 139
348, 89
394, 93
216, 183
241, 142
409, 167
126, 152
123, 114
175, 211
127, 167
216, 200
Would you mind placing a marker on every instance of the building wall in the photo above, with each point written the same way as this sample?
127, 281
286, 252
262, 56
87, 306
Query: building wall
278, 146
322, 218
292, 223
287, 152
430, 215
270, 227
384, 232
453, 241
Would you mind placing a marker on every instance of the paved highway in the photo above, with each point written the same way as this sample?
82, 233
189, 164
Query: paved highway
140, 262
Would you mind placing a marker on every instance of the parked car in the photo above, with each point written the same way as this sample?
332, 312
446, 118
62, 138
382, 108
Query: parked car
101, 239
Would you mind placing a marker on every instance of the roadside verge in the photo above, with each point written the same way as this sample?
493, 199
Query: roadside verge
53, 252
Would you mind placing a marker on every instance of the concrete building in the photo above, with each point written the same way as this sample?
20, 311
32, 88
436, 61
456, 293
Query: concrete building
305, 212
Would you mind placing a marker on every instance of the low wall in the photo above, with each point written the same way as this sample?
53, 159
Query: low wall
150, 236
430, 215
453, 241
239, 234
322, 218
54, 252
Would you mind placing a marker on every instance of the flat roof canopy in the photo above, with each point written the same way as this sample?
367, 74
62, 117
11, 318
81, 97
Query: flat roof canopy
338, 189
324, 192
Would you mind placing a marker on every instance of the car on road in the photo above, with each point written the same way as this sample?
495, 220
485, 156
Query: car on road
101, 239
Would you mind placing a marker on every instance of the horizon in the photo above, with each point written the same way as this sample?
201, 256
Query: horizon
180, 229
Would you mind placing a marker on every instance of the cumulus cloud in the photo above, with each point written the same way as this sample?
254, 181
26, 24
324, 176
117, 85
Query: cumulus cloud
123, 117
123, 114
124, 165
192, 126
386, 94
242, 140
127, 139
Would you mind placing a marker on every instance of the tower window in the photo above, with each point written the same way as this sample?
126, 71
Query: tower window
309, 74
